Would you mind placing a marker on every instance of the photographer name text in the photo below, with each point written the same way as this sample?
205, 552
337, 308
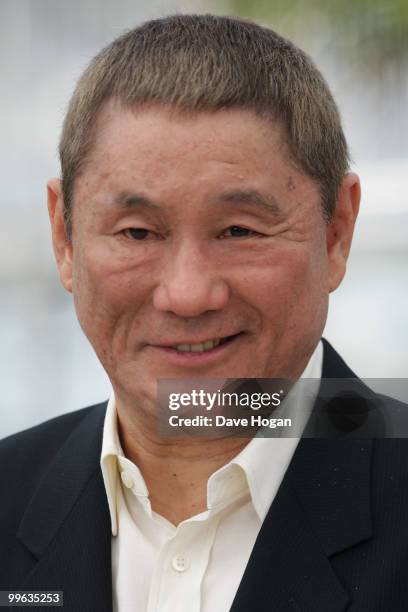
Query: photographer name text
222, 421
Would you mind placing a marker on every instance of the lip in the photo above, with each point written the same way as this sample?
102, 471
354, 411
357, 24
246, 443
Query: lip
191, 359
170, 344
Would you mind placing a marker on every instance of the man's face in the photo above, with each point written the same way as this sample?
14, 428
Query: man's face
190, 229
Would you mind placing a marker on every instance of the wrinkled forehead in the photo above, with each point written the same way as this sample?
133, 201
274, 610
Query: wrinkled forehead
167, 128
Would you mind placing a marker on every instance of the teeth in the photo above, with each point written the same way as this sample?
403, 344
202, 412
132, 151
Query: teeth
198, 348
183, 347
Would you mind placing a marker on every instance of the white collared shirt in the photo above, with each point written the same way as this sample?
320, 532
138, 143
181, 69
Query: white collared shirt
198, 565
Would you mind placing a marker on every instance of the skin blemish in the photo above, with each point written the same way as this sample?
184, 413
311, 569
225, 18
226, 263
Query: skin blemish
290, 185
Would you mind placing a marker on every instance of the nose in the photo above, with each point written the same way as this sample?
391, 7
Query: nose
190, 284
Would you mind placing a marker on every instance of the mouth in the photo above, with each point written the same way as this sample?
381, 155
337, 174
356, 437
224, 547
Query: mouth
202, 347
187, 353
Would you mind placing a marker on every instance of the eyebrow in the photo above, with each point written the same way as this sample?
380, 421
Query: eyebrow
251, 197
134, 200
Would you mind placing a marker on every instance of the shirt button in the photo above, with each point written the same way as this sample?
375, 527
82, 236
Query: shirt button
127, 479
180, 563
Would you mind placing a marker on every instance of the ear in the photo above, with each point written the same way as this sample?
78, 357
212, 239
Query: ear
62, 245
339, 231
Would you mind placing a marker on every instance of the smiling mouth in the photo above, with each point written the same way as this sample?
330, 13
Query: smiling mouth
203, 347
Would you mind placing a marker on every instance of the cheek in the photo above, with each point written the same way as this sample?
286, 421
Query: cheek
107, 294
287, 269
107, 281
289, 286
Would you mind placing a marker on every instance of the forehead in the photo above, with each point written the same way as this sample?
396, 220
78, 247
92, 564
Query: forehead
174, 156
164, 131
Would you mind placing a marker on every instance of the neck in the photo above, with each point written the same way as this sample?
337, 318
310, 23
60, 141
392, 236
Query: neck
175, 470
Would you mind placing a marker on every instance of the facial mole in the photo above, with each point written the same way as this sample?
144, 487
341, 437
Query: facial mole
290, 185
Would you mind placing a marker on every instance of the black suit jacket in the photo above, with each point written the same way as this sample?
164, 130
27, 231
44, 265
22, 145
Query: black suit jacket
335, 538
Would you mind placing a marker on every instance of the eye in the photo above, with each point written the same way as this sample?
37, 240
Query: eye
236, 231
136, 233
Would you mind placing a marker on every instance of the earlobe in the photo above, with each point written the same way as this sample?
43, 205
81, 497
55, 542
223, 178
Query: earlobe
61, 243
339, 232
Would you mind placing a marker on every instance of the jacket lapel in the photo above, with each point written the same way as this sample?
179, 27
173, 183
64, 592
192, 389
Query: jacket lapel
322, 508
345, 408
66, 526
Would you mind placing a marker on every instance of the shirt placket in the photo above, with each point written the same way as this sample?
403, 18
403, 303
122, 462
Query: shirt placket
181, 565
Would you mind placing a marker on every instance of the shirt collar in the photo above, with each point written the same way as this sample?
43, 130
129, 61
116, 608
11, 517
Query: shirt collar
264, 460
111, 450
258, 469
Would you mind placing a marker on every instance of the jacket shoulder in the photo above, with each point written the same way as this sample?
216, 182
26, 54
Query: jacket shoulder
51, 457
26, 454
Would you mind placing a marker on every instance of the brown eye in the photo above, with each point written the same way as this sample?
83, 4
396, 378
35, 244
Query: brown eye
236, 230
137, 233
